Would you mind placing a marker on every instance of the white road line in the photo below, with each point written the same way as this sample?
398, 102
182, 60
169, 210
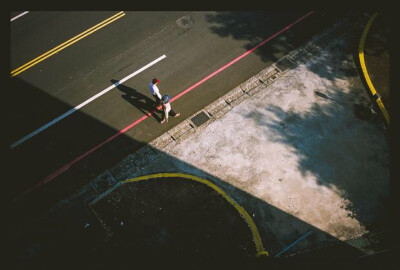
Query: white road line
20, 15
85, 102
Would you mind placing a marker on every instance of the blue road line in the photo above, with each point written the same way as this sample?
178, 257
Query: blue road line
295, 242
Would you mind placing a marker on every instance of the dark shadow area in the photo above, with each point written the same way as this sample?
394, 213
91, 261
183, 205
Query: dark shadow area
377, 56
174, 217
258, 26
33, 109
378, 37
137, 99
377, 63
344, 69
322, 95
174, 220
58, 145
74, 236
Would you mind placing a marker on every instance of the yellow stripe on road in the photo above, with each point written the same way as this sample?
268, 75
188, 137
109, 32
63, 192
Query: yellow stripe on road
364, 68
67, 43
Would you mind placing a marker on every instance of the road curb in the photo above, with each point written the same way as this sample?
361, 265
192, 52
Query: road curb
371, 87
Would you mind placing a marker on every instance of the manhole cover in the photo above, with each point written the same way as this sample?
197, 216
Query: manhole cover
185, 22
200, 119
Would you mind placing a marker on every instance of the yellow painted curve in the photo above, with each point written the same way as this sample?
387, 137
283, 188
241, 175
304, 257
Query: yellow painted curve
364, 68
256, 236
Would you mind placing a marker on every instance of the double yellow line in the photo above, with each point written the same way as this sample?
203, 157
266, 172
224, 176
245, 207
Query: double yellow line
365, 72
67, 43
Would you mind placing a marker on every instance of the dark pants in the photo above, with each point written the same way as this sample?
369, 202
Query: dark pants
158, 100
171, 113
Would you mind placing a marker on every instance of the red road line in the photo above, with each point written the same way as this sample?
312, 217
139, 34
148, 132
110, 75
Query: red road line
241, 56
70, 164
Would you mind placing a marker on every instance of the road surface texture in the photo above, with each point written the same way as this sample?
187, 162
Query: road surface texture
195, 44
291, 139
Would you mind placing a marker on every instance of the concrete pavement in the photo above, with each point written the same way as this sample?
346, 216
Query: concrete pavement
297, 145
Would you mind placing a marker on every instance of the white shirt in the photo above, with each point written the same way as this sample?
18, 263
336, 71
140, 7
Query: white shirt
167, 108
154, 90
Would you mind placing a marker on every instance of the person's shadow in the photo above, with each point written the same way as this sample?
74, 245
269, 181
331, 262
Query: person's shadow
137, 99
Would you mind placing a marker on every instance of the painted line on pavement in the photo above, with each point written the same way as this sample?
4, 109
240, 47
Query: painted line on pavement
70, 164
243, 213
67, 44
241, 56
365, 72
85, 102
292, 244
20, 15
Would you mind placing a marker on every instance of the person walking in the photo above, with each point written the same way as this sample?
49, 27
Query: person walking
166, 105
155, 91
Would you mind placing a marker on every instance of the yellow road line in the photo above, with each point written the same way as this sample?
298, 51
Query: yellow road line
67, 43
70, 40
365, 72
241, 210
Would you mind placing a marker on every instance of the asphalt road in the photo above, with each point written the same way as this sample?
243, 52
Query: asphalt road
201, 45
